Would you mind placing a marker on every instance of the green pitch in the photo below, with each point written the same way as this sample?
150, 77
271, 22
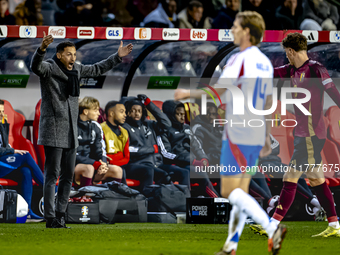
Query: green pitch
154, 239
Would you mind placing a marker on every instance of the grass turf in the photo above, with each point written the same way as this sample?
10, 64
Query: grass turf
155, 238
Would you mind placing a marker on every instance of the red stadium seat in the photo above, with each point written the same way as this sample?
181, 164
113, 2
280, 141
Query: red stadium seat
132, 183
158, 103
284, 135
38, 148
15, 138
333, 115
8, 182
330, 158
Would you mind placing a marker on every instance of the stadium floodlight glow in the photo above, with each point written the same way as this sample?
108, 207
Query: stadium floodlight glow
21, 64
160, 66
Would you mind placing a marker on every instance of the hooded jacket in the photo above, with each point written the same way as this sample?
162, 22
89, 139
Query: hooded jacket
178, 140
5, 148
143, 133
91, 143
272, 157
209, 136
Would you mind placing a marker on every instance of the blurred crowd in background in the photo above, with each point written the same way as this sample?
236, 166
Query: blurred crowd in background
219, 14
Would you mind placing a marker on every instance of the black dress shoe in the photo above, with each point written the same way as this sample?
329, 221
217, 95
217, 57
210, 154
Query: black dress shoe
62, 222
56, 223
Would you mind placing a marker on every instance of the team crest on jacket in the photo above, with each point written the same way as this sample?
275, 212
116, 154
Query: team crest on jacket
10, 159
93, 135
187, 131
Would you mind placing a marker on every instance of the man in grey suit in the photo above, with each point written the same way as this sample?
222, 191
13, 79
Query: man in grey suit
59, 81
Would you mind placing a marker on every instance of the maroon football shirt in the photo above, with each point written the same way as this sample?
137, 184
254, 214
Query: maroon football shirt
313, 80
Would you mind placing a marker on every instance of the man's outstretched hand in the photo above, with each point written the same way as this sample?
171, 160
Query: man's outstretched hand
181, 94
267, 149
47, 40
124, 51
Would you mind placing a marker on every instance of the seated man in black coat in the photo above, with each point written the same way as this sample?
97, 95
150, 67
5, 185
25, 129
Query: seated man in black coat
143, 139
91, 166
179, 146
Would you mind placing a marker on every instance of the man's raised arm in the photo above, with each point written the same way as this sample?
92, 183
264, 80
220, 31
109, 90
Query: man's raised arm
103, 66
38, 66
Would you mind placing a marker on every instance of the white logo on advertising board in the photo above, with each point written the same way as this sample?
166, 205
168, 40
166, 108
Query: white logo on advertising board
28, 31
3, 31
142, 33
170, 34
312, 36
114, 33
57, 32
198, 34
85, 32
225, 35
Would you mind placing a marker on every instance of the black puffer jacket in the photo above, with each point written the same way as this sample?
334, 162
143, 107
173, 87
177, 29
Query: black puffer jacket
5, 148
209, 136
91, 143
272, 157
178, 140
143, 134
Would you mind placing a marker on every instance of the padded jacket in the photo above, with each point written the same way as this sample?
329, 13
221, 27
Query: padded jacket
91, 143
178, 141
143, 135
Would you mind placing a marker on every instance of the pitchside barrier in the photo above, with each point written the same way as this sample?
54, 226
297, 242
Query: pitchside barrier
172, 34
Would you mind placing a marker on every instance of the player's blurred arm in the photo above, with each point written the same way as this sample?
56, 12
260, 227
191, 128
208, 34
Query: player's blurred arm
328, 84
266, 150
196, 93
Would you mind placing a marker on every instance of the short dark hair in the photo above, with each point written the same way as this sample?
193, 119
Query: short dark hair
193, 4
2, 102
61, 46
211, 105
110, 105
296, 41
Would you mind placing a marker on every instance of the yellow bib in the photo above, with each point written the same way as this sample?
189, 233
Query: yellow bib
114, 143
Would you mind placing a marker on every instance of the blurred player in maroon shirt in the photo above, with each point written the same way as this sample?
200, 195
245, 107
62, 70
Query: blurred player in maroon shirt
310, 132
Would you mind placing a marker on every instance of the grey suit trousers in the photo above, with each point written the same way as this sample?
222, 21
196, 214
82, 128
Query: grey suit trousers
59, 161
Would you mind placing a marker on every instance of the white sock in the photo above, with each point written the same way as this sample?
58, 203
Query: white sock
275, 221
241, 221
249, 206
334, 224
232, 228
315, 202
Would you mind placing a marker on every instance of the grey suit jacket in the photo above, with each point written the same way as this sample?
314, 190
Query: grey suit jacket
59, 112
